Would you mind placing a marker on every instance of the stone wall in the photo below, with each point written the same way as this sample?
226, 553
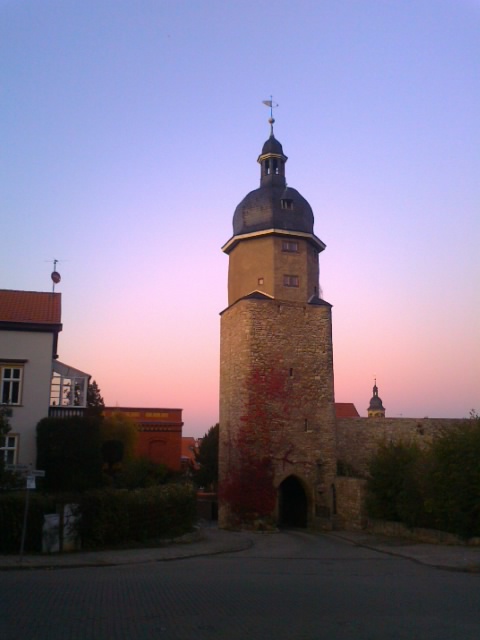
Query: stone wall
358, 438
288, 345
350, 499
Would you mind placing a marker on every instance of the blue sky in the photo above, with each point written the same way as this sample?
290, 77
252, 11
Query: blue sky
130, 132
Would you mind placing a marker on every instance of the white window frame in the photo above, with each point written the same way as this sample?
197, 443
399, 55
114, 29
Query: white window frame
69, 386
9, 382
9, 445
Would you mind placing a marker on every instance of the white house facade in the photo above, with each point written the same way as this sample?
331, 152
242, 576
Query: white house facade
33, 384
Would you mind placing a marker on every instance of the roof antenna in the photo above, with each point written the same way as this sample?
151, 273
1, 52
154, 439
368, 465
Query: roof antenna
55, 276
270, 103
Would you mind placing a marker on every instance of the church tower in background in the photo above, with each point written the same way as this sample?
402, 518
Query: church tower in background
277, 412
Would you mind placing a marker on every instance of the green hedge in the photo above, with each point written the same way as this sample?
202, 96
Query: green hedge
12, 508
111, 518
108, 517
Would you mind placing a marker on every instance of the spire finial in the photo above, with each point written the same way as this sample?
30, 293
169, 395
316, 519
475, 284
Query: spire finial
270, 103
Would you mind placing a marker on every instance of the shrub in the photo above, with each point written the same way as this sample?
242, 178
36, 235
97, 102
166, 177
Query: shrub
141, 473
110, 518
453, 483
12, 507
394, 486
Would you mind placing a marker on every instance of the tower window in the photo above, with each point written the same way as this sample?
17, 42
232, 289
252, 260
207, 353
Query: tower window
286, 203
290, 245
267, 167
290, 281
275, 167
260, 281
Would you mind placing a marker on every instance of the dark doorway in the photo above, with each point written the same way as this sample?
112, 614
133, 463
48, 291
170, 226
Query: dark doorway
292, 503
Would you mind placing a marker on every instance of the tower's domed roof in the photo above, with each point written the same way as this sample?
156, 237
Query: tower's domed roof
273, 207
375, 401
272, 145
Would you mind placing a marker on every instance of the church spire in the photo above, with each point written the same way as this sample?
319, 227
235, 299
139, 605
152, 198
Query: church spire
376, 408
272, 159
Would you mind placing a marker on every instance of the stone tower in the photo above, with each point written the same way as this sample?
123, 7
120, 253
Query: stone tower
277, 413
376, 408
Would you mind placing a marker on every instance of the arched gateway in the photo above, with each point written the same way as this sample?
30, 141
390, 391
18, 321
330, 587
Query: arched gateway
292, 503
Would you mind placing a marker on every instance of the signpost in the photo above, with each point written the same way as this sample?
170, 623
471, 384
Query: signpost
29, 474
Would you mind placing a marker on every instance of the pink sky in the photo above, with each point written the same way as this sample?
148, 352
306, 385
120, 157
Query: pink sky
130, 134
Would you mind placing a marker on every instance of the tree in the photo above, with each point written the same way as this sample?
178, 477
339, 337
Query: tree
68, 449
5, 414
119, 437
394, 487
453, 487
207, 458
95, 402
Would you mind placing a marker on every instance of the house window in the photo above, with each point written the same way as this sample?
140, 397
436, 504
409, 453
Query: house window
68, 391
286, 203
11, 384
290, 246
290, 281
8, 449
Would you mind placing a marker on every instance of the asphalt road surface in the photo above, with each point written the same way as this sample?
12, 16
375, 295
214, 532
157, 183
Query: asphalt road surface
291, 585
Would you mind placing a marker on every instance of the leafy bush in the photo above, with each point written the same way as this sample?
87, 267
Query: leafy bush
110, 518
393, 488
438, 487
453, 485
107, 518
141, 473
12, 507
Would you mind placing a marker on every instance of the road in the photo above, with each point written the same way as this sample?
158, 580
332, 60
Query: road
291, 585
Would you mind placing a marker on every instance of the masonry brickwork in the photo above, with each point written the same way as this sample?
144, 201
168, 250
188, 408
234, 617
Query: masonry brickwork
291, 343
359, 438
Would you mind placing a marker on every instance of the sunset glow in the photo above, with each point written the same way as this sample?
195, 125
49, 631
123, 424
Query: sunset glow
130, 132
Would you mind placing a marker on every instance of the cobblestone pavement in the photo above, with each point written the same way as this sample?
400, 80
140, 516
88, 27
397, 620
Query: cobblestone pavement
289, 585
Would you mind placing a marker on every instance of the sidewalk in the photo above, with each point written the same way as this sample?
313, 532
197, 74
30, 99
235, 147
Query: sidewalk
205, 541
450, 557
211, 541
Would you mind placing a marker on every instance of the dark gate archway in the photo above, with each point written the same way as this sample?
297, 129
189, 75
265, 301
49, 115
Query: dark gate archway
292, 503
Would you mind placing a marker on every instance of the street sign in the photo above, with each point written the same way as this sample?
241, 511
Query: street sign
19, 468
25, 469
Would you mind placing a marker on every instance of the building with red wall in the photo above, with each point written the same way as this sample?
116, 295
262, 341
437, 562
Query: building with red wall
159, 433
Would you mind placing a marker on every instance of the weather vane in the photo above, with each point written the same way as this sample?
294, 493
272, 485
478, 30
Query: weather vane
270, 103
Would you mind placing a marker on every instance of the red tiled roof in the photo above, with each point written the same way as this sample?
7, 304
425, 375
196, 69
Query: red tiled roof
30, 307
346, 410
188, 447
